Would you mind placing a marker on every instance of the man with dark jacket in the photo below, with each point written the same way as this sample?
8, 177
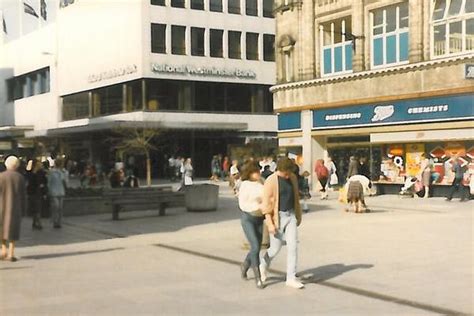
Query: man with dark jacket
457, 184
12, 206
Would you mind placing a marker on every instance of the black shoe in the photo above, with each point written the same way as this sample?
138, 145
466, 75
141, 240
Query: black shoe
258, 279
448, 200
244, 267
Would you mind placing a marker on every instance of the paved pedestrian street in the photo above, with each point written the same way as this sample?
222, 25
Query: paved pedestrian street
406, 257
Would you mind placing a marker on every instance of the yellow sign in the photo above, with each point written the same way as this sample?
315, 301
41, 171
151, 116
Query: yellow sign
413, 158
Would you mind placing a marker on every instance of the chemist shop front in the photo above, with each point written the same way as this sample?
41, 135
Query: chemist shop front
392, 136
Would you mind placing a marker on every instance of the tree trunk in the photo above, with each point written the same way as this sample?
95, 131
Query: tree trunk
148, 170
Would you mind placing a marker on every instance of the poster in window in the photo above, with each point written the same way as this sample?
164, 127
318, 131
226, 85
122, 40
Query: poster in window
413, 159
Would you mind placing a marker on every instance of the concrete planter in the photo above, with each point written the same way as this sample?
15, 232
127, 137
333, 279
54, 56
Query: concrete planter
201, 197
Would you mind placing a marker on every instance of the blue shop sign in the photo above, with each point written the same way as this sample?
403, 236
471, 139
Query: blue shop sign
289, 121
460, 107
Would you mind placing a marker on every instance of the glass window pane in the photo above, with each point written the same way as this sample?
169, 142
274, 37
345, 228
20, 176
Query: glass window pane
403, 23
268, 8
455, 7
178, 3
391, 16
134, 96
469, 6
251, 7
215, 5
233, 6
378, 30
327, 61
197, 4
252, 46
391, 49
338, 59
197, 41
216, 43
348, 49
158, 2
378, 51
76, 106
455, 37
439, 40
470, 34
234, 45
178, 40
268, 47
439, 8
378, 18
403, 46
158, 38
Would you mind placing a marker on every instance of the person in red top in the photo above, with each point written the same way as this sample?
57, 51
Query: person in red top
322, 173
225, 167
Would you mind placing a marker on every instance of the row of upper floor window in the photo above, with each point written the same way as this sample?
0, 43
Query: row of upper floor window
29, 84
168, 95
196, 41
263, 8
451, 31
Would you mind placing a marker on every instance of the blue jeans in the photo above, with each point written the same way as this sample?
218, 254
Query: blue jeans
286, 233
253, 229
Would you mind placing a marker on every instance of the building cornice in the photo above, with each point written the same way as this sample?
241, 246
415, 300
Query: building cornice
370, 73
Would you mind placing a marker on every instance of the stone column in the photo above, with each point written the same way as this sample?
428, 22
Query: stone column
307, 40
313, 148
358, 30
415, 25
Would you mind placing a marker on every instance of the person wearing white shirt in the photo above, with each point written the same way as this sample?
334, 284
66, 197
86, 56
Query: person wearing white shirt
250, 203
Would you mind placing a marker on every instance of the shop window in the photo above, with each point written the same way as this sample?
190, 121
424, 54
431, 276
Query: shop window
158, 2
197, 41
215, 42
215, 5
233, 6
234, 45
390, 35
168, 95
268, 8
178, 40
251, 7
453, 27
178, 3
268, 47
109, 99
158, 38
76, 106
336, 37
238, 98
197, 4
251, 43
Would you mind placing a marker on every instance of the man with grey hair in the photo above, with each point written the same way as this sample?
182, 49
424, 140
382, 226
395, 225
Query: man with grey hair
12, 206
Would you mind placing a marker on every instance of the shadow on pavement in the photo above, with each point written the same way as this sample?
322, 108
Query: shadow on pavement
15, 268
330, 271
68, 254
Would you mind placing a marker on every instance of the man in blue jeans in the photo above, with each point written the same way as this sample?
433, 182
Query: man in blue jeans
282, 212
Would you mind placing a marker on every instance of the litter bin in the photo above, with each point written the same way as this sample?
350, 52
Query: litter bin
201, 197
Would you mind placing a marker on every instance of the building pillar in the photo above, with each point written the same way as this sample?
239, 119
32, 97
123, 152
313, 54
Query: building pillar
187, 40
168, 39
313, 148
307, 41
358, 19
207, 40
143, 86
124, 98
415, 25
225, 44
243, 45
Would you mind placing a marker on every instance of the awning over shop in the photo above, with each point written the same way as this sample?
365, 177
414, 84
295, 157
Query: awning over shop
14, 131
423, 136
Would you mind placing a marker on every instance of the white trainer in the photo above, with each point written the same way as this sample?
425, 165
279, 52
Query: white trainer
295, 284
263, 272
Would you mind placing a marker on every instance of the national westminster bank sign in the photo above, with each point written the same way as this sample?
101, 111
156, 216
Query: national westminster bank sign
203, 71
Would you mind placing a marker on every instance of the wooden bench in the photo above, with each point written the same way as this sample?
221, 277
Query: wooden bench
143, 199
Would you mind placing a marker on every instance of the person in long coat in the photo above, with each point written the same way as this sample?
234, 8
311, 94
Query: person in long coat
12, 206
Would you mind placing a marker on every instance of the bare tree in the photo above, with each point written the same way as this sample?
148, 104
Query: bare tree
137, 140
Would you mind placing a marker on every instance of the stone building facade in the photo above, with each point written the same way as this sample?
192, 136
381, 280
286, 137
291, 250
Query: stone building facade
382, 80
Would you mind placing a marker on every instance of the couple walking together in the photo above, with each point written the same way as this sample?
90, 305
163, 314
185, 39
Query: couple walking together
275, 204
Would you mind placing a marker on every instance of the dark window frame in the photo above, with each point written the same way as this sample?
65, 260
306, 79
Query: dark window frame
158, 48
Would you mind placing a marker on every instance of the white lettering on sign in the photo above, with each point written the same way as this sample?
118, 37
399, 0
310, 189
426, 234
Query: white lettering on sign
203, 71
114, 73
341, 117
428, 109
383, 112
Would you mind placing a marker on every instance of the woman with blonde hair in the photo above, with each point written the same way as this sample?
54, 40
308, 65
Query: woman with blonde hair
250, 203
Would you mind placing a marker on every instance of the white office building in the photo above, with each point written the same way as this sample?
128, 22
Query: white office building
71, 71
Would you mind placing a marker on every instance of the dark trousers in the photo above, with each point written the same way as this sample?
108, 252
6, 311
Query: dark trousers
253, 229
323, 182
457, 186
35, 206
